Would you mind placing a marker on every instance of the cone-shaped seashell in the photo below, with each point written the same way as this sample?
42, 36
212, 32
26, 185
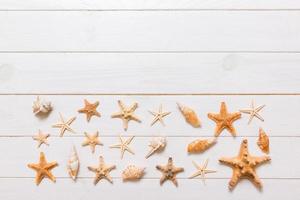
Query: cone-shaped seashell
73, 164
156, 144
263, 141
41, 106
132, 173
190, 116
199, 145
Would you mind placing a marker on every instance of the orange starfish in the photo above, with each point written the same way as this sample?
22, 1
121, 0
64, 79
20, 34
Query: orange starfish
90, 109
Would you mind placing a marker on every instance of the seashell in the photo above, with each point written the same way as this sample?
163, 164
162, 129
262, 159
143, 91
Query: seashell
132, 173
156, 144
190, 116
199, 145
73, 164
41, 106
263, 141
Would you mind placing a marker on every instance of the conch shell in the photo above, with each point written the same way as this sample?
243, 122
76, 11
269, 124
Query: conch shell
199, 145
156, 144
41, 106
190, 116
132, 173
73, 164
263, 141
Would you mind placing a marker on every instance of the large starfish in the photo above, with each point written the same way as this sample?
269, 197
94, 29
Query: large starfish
91, 140
43, 169
224, 120
90, 109
202, 170
169, 172
41, 138
158, 116
102, 171
123, 145
64, 125
253, 112
126, 114
244, 166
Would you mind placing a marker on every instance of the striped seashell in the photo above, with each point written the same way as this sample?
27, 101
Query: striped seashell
156, 144
263, 141
199, 145
73, 164
190, 116
132, 173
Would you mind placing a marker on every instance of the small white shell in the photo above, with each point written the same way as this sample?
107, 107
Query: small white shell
73, 164
41, 106
132, 173
156, 144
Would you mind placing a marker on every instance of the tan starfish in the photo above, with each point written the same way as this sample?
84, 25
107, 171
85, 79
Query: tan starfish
64, 125
253, 112
224, 120
43, 169
126, 114
123, 145
102, 171
91, 140
90, 109
244, 166
41, 138
202, 170
169, 172
158, 116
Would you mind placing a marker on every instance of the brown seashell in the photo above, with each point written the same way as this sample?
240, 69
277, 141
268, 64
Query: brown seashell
132, 173
263, 141
199, 145
190, 116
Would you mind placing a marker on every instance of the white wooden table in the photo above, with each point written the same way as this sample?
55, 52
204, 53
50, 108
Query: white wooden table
161, 51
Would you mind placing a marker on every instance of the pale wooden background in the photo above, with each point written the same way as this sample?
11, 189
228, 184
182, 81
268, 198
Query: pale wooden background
159, 51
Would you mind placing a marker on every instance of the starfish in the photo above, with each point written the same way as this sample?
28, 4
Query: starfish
102, 171
41, 138
169, 172
123, 146
158, 116
92, 140
126, 114
224, 120
202, 170
64, 125
244, 166
43, 169
253, 112
90, 109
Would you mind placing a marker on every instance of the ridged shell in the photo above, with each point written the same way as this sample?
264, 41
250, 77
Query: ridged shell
132, 173
156, 144
73, 164
190, 116
199, 145
41, 106
263, 141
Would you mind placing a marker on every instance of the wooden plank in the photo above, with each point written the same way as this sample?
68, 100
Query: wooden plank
150, 31
146, 73
280, 120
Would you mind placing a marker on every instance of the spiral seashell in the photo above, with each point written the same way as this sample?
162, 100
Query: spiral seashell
156, 144
263, 141
73, 164
199, 145
190, 116
132, 173
41, 106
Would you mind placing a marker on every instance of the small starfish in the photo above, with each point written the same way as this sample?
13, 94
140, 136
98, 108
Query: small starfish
64, 125
123, 146
253, 112
102, 171
126, 114
202, 170
90, 109
169, 172
41, 138
158, 116
224, 120
92, 140
43, 169
244, 166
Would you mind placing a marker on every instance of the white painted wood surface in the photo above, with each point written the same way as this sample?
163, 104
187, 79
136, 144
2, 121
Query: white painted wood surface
198, 53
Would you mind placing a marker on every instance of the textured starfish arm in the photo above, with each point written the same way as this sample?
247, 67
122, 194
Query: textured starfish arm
231, 130
33, 166
125, 124
108, 177
50, 176
97, 179
135, 118
174, 180
51, 165
259, 117
214, 117
85, 143
234, 179
38, 178
160, 168
235, 116
70, 121
93, 169
59, 125
260, 160
177, 169
152, 113
115, 146
227, 161
162, 179
133, 107
219, 128
116, 115
255, 179
247, 111
196, 174
121, 104
129, 150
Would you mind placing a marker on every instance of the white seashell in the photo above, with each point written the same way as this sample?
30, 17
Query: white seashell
132, 173
156, 144
73, 164
41, 106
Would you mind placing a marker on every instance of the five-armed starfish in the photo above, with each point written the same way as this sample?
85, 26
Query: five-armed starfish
102, 171
202, 170
90, 109
169, 172
158, 116
253, 112
64, 125
41, 138
91, 140
123, 145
